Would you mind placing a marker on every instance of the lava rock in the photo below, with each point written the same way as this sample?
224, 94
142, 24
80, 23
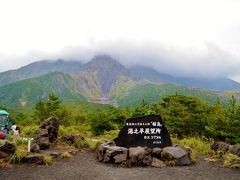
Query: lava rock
35, 148
180, 155
7, 149
157, 163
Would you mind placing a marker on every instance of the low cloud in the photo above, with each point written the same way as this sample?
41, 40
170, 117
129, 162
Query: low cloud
208, 60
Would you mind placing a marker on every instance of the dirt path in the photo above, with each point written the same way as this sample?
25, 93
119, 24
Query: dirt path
85, 166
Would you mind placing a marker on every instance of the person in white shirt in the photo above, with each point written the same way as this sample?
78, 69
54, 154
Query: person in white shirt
13, 128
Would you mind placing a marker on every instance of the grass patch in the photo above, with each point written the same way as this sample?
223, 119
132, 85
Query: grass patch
81, 144
20, 142
48, 160
29, 131
197, 145
109, 135
83, 130
18, 156
92, 143
231, 161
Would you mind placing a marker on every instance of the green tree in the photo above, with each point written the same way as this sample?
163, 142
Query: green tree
50, 107
184, 115
100, 123
142, 110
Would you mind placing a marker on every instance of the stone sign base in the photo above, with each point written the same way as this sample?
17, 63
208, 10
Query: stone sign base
108, 152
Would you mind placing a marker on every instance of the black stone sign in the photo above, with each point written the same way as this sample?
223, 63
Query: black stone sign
144, 131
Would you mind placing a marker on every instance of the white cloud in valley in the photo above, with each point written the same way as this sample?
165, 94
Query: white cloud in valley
186, 37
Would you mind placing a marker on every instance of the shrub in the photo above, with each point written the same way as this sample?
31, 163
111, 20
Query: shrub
101, 123
231, 161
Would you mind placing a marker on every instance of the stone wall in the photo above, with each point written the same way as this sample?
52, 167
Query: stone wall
108, 152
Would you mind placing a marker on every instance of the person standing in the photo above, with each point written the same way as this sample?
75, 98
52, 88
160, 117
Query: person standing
5, 132
16, 133
13, 127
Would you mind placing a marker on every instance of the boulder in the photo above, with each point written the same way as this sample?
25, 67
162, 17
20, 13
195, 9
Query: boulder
34, 158
42, 133
166, 156
119, 158
7, 149
157, 163
43, 142
52, 125
46, 134
71, 139
140, 156
35, 148
180, 155
102, 148
235, 149
107, 151
156, 152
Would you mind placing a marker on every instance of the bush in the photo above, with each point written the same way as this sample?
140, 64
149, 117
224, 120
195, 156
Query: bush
101, 123
231, 161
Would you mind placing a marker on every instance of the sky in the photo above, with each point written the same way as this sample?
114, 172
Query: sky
184, 37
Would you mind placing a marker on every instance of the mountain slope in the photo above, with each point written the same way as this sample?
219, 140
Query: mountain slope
37, 69
104, 80
150, 92
26, 93
107, 71
211, 83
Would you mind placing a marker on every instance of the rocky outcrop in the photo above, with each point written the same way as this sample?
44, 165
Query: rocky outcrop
108, 152
234, 149
46, 134
7, 149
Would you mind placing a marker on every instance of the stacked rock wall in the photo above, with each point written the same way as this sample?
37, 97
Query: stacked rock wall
108, 152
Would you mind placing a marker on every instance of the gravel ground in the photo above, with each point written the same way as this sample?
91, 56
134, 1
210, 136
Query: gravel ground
85, 166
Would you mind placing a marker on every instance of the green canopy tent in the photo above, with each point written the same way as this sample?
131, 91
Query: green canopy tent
4, 118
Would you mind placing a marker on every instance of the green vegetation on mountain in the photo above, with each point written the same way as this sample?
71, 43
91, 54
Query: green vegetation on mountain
26, 93
150, 92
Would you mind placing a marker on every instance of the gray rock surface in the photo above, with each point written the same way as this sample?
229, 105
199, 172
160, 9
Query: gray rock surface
179, 154
108, 152
156, 152
46, 134
235, 149
157, 163
7, 149
35, 148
